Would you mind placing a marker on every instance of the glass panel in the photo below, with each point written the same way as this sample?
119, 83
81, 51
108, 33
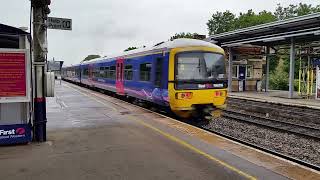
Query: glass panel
249, 71
235, 71
158, 72
200, 66
128, 73
145, 72
112, 72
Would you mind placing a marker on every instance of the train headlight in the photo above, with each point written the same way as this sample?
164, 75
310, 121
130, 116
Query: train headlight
220, 93
184, 95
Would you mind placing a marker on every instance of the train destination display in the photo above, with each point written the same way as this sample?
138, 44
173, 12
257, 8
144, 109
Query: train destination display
13, 74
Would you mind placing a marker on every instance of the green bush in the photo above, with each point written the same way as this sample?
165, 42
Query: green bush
279, 80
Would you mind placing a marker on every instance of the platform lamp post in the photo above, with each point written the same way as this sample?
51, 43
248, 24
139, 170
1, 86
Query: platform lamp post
40, 13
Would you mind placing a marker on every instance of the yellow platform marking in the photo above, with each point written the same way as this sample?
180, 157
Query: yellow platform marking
194, 149
177, 140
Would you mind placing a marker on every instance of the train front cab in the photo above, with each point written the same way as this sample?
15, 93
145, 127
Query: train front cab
197, 81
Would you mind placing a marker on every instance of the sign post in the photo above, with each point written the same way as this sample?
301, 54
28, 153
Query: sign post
318, 83
40, 13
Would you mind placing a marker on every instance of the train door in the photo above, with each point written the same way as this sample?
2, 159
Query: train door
90, 74
120, 76
159, 73
242, 77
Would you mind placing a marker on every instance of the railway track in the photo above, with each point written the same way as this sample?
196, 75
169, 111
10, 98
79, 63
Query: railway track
297, 115
255, 146
298, 129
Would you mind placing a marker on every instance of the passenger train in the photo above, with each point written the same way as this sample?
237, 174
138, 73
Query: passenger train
186, 76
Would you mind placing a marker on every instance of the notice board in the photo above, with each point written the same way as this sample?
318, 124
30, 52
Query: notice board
14, 76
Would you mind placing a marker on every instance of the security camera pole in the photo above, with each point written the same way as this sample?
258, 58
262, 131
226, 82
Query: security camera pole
40, 14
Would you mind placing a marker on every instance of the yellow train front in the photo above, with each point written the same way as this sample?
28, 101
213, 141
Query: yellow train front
197, 82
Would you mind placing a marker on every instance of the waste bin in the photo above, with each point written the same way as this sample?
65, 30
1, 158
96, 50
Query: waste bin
259, 86
241, 85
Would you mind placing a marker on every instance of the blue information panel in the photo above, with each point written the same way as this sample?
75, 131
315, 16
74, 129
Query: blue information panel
15, 134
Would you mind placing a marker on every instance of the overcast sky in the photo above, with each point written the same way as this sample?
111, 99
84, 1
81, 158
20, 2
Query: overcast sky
107, 26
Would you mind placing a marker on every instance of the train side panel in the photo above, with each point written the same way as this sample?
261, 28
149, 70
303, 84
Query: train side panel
144, 77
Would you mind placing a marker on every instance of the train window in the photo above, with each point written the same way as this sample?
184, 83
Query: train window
112, 72
145, 72
128, 72
106, 72
101, 72
158, 72
85, 72
96, 72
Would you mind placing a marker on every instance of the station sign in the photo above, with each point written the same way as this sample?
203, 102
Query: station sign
15, 134
59, 23
55, 65
14, 76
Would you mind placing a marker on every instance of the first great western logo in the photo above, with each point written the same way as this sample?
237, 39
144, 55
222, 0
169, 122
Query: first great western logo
12, 133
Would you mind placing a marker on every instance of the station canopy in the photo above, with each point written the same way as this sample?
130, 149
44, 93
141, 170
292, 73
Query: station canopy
9, 36
303, 29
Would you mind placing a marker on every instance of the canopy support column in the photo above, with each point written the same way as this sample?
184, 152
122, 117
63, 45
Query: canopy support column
267, 69
291, 73
230, 70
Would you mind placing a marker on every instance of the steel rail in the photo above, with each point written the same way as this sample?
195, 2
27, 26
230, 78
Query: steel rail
306, 131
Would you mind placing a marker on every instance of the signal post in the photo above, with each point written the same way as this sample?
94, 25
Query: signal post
40, 13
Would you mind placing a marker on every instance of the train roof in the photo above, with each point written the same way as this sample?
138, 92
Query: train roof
165, 46
72, 65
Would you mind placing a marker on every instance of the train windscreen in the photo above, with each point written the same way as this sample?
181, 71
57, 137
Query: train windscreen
200, 70
200, 66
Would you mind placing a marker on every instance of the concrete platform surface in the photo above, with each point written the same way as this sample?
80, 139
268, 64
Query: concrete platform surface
93, 136
275, 96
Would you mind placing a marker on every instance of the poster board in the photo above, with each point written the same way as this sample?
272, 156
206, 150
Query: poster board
318, 83
14, 75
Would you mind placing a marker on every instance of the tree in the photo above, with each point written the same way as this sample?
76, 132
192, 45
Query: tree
130, 48
295, 10
187, 35
250, 18
221, 22
92, 56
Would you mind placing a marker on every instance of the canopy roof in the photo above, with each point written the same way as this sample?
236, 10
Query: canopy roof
302, 29
9, 36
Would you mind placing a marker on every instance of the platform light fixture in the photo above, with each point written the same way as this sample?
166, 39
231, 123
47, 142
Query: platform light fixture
274, 39
317, 33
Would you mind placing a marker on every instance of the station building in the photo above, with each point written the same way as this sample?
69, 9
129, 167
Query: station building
248, 71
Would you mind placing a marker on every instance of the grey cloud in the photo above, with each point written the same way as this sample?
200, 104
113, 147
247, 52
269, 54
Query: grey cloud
109, 26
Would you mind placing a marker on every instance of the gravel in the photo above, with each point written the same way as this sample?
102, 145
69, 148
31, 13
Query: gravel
286, 143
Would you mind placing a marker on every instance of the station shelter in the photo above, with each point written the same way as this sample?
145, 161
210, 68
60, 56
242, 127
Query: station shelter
295, 35
15, 86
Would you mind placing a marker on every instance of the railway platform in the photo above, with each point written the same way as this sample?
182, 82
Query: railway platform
94, 136
277, 97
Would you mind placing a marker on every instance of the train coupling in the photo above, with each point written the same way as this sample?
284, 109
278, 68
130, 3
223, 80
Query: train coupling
208, 111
